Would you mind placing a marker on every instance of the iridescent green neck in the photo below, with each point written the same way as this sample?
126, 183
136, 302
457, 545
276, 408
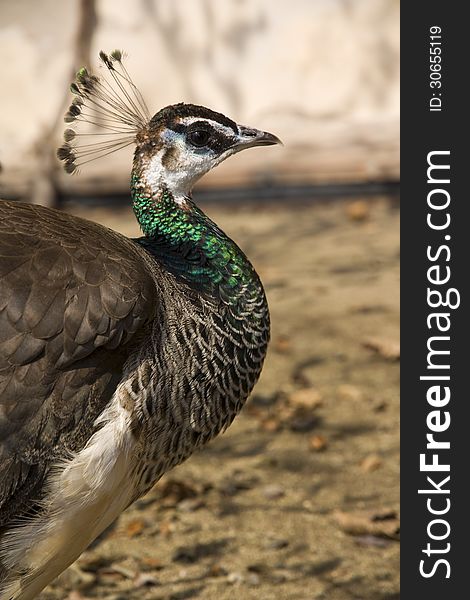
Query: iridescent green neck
188, 240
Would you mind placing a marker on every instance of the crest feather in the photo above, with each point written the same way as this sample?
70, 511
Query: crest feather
111, 103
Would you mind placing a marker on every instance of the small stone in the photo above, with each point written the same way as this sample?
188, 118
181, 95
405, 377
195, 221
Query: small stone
235, 578
190, 504
276, 544
372, 541
273, 491
308, 505
145, 580
318, 443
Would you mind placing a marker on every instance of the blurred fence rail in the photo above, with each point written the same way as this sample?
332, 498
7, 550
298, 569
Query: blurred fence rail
321, 74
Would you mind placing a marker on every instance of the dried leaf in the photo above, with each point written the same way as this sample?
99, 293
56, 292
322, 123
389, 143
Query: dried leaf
384, 347
308, 398
358, 210
270, 424
152, 563
318, 443
382, 523
349, 392
135, 527
216, 570
166, 528
282, 344
372, 462
172, 491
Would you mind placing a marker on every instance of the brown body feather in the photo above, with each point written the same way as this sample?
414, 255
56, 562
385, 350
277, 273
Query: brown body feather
74, 299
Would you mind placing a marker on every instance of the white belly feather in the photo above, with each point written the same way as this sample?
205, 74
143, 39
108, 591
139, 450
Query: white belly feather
84, 498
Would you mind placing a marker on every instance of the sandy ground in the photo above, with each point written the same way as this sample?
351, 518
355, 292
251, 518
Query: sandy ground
299, 499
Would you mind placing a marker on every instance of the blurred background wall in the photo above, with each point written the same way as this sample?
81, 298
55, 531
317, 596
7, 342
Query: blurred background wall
321, 74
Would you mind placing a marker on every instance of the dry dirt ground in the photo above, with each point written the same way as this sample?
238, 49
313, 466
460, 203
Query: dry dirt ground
298, 500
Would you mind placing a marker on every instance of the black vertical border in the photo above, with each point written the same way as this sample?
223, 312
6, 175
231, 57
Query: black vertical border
423, 131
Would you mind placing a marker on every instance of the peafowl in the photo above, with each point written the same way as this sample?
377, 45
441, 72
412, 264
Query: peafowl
118, 357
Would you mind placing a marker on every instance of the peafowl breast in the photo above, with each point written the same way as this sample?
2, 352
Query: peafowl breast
118, 357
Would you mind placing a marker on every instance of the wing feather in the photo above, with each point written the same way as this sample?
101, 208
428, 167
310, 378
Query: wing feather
73, 296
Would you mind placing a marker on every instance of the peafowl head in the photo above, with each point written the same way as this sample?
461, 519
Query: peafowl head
175, 147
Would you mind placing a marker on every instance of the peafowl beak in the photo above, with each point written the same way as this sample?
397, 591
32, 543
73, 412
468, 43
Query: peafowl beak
249, 138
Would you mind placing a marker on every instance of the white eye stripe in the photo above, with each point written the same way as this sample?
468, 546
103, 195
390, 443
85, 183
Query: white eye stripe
227, 131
